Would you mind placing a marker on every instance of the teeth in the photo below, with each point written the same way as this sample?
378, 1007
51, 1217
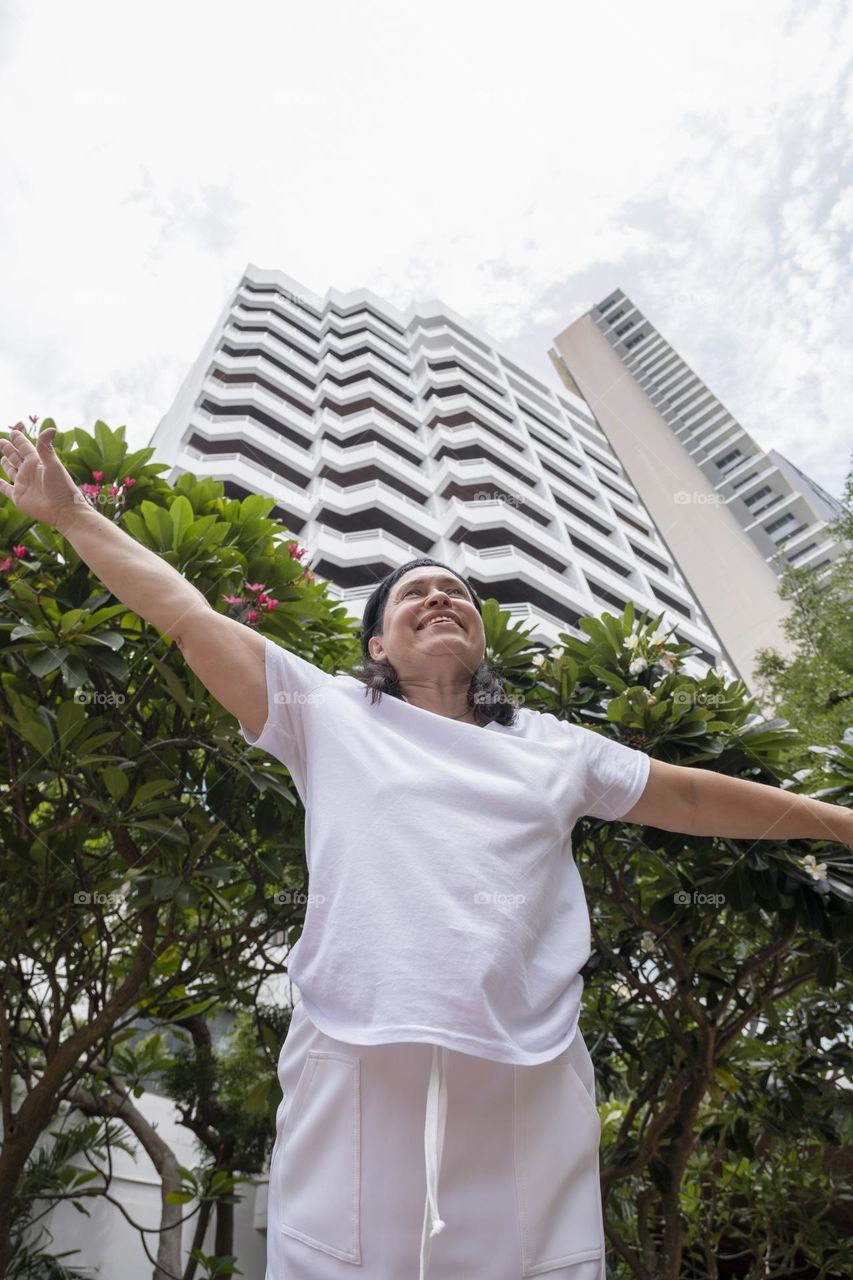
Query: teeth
440, 618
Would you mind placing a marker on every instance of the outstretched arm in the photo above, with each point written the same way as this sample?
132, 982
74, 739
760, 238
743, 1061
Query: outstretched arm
699, 802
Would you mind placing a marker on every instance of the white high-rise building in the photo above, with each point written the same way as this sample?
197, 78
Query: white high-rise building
383, 435
731, 514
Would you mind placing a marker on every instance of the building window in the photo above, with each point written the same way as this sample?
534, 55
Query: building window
758, 495
803, 551
777, 524
727, 458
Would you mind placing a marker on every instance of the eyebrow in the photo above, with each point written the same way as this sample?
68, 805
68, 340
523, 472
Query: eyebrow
444, 579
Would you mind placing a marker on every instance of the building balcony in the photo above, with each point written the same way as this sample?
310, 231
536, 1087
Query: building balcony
808, 555
276, 347
249, 310
488, 512
364, 368
239, 467
360, 497
293, 401
705, 443
509, 550
770, 505
361, 545
468, 400
470, 471
732, 474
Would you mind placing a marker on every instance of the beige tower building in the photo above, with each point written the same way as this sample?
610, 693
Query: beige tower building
730, 514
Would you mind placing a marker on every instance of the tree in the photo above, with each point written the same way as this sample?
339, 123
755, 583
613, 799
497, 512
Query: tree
814, 688
179, 861
142, 842
696, 942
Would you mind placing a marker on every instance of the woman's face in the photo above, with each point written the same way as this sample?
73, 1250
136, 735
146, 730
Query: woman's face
414, 643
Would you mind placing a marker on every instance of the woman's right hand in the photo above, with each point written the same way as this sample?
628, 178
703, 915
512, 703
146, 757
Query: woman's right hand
41, 487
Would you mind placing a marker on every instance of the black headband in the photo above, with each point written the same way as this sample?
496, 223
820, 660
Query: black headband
374, 610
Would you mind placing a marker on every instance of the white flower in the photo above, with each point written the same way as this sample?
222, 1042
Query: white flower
817, 870
639, 664
555, 653
658, 638
669, 661
631, 642
647, 942
537, 659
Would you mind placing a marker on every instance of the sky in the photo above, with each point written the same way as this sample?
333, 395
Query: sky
518, 162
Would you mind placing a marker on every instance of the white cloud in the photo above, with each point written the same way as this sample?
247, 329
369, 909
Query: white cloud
518, 163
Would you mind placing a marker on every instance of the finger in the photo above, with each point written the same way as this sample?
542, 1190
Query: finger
21, 443
45, 439
6, 489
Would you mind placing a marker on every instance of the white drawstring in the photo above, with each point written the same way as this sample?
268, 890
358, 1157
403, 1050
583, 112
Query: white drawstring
434, 1127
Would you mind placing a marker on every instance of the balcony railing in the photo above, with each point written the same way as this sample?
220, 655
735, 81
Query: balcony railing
371, 535
192, 452
374, 485
507, 549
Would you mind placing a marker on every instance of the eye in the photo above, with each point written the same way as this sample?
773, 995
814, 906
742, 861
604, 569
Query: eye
409, 590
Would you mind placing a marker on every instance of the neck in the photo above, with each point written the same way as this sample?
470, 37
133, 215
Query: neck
467, 714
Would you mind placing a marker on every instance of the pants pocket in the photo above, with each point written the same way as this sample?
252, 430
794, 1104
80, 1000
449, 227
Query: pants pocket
320, 1164
557, 1136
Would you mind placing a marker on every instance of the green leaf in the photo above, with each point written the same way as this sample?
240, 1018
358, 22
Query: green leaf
182, 516
154, 787
158, 523
116, 782
46, 660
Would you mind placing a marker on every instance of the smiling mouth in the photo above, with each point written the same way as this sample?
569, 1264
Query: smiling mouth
439, 622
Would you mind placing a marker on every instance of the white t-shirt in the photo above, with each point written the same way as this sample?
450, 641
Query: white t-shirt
444, 903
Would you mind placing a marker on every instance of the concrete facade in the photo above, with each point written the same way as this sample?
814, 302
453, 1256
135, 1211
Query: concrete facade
730, 514
384, 435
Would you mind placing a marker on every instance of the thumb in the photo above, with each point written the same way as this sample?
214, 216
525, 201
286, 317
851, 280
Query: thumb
45, 440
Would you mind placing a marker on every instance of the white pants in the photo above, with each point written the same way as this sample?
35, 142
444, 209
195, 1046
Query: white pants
364, 1167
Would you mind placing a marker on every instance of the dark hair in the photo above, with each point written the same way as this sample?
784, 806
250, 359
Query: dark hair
487, 696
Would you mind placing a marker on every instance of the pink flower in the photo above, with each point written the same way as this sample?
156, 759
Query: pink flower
129, 482
6, 564
270, 603
308, 574
20, 550
97, 475
296, 552
233, 599
114, 489
251, 615
33, 420
254, 586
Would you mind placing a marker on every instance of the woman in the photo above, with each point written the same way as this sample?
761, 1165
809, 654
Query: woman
446, 927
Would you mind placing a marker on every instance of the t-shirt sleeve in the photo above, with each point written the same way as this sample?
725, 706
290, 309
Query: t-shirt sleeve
615, 775
293, 684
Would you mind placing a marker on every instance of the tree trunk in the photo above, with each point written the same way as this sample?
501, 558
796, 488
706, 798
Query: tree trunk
39, 1106
198, 1238
224, 1242
118, 1106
